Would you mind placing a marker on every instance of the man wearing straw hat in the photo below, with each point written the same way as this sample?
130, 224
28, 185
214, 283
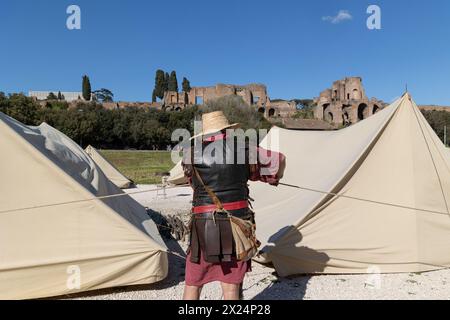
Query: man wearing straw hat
222, 240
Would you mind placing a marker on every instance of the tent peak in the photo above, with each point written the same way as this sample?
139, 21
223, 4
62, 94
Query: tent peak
407, 95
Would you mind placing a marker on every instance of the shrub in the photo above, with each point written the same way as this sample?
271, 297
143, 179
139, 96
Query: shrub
237, 111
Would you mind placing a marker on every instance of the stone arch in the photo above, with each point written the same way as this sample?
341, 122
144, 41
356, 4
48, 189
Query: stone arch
375, 109
329, 116
178, 109
271, 112
261, 110
363, 111
325, 108
345, 118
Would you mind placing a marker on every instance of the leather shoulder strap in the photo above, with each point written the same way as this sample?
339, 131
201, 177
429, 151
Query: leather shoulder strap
211, 193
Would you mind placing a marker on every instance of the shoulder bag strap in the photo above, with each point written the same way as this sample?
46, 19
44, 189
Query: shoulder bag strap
211, 193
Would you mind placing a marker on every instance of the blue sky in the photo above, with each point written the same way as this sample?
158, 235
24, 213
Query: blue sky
287, 45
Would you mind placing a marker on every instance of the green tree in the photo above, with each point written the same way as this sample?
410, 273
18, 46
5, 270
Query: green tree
173, 82
59, 95
52, 96
160, 83
57, 105
139, 128
86, 88
166, 82
237, 111
104, 95
21, 108
438, 120
4, 102
186, 85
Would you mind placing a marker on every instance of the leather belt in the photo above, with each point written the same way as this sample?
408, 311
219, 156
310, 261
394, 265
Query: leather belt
227, 206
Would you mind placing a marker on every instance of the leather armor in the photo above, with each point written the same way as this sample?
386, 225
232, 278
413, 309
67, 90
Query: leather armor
228, 181
211, 232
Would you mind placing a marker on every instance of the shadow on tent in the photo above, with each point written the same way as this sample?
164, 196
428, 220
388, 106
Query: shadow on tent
293, 287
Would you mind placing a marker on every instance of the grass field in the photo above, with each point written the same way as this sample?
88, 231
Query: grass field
143, 167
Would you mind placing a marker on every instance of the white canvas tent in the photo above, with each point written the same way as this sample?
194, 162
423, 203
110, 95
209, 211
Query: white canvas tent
392, 157
78, 245
177, 176
111, 172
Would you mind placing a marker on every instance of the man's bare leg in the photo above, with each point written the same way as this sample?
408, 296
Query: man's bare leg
230, 291
192, 293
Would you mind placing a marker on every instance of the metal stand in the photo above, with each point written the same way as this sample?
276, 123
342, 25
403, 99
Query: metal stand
162, 188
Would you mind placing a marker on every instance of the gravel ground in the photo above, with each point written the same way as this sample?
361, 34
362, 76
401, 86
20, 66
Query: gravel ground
263, 284
173, 201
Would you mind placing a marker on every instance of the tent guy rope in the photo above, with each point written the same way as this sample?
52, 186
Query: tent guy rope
100, 198
362, 199
185, 185
87, 199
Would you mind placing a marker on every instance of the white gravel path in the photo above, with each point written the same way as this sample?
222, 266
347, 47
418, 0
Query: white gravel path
262, 283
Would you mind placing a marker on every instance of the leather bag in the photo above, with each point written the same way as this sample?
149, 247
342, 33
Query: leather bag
244, 231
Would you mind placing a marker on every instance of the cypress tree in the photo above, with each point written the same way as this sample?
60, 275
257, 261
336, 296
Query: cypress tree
173, 82
86, 88
166, 82
59, 95
186, 85
159, 84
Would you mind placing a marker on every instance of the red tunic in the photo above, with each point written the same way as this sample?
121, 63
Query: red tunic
198, 274
270, 169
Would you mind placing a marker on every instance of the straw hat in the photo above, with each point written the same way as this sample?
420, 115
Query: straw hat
214, 122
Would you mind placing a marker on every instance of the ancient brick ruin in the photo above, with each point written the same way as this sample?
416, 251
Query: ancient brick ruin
346, 103
252, 94
343, 104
